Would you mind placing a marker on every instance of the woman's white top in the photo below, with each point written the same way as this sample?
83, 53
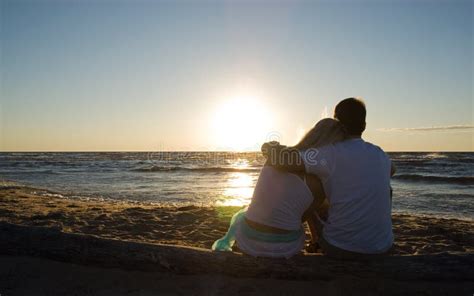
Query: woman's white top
279, 199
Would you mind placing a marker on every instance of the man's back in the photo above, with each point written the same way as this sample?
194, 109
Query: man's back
356, 178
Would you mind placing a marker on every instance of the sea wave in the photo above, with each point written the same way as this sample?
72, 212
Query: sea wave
462, 180
197, 169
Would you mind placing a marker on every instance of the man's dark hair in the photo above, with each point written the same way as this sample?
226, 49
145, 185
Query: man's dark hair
351, 113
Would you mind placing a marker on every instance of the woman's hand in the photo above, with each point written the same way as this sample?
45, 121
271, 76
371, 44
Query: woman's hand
266, 147
282, 157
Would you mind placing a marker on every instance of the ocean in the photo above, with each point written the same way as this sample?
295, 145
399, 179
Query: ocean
439, 184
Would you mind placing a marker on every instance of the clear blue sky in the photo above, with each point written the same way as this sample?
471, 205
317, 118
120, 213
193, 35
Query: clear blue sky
148, 75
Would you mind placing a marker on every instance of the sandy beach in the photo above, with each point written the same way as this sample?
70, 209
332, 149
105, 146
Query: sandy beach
132, 132
197, 228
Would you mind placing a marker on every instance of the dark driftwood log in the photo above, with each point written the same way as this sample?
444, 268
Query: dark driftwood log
90, 250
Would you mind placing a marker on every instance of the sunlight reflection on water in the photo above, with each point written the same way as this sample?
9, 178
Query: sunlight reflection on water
238, 191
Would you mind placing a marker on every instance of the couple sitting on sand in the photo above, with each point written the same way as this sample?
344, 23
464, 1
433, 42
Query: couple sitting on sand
333, 180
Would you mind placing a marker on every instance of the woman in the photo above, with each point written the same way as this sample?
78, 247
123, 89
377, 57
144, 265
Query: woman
271, 226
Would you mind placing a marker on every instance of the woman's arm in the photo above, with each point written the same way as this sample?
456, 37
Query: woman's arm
314, 228
283, 157
319, 206
320, 202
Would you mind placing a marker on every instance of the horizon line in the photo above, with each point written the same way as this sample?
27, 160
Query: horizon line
202, 151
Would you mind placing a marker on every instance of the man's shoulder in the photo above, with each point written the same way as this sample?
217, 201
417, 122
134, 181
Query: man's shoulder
357, 142
373, 146
358, 146
376, 150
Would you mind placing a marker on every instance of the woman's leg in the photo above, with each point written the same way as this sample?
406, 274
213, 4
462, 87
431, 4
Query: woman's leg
227, 241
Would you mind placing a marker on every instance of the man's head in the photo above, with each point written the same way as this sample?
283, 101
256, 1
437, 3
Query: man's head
351, 113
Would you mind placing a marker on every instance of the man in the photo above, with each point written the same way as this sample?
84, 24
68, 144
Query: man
355, 176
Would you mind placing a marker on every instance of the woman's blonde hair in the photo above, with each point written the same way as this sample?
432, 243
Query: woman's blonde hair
326, 131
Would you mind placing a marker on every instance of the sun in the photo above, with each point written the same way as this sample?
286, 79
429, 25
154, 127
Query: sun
241, 123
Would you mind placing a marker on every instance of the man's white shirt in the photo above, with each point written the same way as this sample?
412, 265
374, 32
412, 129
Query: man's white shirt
356, 178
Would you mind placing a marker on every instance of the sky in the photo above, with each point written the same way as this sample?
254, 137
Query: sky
230, 75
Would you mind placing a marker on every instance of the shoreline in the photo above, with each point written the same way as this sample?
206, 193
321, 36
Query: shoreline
50, 193
193, 225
